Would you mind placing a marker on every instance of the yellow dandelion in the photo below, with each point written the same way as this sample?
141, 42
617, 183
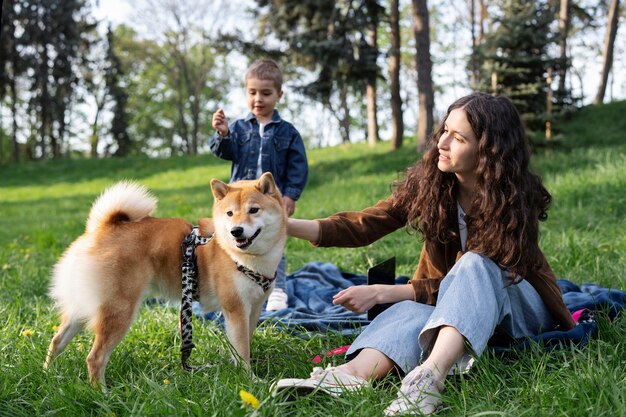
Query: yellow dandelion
249, 399
166, 382
55, 328
27, 333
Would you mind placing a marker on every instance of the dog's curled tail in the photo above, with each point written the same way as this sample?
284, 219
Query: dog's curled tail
124, 201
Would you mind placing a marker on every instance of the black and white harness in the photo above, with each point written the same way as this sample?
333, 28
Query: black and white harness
190, 291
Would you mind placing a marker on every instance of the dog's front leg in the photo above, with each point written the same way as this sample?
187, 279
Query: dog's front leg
237, 329
255, 313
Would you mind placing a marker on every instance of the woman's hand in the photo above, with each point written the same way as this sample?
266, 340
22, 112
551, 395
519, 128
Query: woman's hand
357, 299
361, 298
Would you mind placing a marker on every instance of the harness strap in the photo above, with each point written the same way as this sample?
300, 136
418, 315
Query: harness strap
189, 292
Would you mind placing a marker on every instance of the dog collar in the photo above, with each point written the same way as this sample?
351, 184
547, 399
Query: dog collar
259, 279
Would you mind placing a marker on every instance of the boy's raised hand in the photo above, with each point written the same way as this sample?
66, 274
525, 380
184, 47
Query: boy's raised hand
220, 122
290, 205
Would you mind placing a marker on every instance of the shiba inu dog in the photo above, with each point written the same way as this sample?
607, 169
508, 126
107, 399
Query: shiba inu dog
102, 277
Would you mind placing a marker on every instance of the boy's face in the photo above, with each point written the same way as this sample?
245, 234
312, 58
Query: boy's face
262, 96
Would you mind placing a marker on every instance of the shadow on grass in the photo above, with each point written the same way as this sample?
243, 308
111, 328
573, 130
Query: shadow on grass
65, 216
79, 170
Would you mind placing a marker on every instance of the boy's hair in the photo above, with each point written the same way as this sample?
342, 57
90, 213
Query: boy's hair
266, 69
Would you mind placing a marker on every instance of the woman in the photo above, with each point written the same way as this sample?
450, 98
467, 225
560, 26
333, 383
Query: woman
481, 272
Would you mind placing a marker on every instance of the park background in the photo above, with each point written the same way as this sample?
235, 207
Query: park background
98, 78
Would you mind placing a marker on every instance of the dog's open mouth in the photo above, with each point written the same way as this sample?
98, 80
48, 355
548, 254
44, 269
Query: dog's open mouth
244, 243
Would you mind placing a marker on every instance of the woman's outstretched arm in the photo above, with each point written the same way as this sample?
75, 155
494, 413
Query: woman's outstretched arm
304, 229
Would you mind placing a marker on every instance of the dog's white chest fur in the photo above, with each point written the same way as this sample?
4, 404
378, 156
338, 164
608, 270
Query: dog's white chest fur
245, 288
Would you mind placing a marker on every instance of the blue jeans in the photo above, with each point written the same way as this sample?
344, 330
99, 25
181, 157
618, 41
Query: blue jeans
475, 297
281, 276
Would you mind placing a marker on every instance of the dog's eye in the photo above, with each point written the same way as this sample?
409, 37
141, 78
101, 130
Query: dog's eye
229, 213
253, 210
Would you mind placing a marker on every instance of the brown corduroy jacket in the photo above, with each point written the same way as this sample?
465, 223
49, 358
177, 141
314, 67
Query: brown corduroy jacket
360, 228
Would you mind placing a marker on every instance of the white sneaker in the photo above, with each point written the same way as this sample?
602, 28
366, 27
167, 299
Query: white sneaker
331, 381
277, 300
420, 393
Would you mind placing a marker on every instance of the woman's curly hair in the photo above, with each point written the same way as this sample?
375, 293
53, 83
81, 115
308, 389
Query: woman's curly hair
508, 202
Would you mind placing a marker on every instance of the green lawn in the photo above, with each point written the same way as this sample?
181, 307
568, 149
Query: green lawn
43, 207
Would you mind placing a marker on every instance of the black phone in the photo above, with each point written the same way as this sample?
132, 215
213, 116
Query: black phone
382, 273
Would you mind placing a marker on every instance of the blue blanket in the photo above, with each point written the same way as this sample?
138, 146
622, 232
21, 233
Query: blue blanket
311, 309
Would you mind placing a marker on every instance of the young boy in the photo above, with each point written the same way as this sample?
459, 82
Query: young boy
263, 142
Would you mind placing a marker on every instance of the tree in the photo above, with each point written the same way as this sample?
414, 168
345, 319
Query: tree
162, 119
514, 57
117, 93
94, 89
607, 52
11, 67
189, 67
150, 109
328, 43
423, 64
563, 63
476, 39
372, 39
397, 123
46, 47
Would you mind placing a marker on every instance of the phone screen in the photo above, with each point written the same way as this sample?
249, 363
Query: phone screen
382, 273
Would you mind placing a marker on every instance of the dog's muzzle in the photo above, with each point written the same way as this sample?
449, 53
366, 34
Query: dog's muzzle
243, 243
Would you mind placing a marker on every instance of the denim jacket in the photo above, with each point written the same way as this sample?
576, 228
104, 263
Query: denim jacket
283, 152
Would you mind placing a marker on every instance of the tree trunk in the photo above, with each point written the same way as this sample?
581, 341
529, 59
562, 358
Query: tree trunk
424, 73
372, 119
194, 106
607, 53
477, 39
191, 95
95, 131
473, 57
195, 126
564, 22
183, 131
16, 147
397, 124
44, 102
1, 142
481, 22
59, 137
345, 118
549, 106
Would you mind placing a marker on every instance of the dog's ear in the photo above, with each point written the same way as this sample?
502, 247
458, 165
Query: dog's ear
219, 189
266, 184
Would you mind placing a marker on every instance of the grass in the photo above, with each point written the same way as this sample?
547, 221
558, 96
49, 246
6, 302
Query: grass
43, 207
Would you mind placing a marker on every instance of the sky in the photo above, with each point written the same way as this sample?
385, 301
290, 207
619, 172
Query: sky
115, 11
